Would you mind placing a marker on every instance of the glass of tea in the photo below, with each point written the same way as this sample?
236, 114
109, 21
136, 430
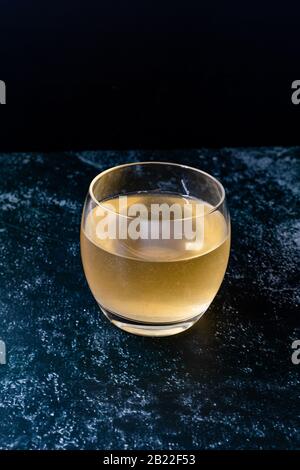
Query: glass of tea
155, 241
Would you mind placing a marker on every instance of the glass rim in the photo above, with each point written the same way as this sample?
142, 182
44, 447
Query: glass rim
124, 165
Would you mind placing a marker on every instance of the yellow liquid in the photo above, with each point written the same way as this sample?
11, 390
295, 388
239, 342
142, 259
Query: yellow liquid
155, 281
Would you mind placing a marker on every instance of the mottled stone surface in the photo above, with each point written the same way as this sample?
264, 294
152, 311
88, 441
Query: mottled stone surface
74, 381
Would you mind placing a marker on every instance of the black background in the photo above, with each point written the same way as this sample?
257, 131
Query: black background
116, 74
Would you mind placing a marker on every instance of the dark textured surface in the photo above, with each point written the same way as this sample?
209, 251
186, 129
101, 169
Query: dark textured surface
74, 381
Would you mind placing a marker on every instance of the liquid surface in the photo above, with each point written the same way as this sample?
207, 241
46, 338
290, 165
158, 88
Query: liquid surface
156, 280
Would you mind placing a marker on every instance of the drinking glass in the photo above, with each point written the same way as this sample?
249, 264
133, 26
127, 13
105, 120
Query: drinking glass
148, 273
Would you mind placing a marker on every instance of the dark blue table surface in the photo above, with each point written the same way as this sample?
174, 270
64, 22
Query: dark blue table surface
74, 381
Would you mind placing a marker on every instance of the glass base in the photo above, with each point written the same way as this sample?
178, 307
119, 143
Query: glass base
149, 329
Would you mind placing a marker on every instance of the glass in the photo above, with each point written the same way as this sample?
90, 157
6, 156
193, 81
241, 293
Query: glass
155, 241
